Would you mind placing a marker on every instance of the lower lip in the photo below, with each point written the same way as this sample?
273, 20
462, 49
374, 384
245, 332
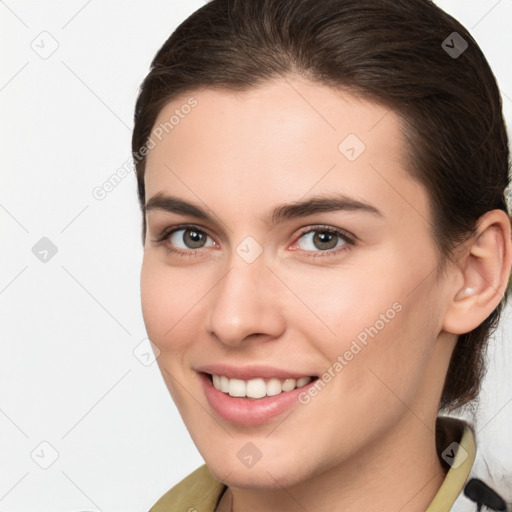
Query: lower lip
250, 411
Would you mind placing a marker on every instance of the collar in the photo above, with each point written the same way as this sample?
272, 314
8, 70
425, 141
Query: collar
456, 449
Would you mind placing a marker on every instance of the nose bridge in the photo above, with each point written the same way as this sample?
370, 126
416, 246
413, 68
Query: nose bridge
244, 301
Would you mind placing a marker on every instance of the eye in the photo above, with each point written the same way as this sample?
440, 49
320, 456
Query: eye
184, 239
191, 238
323, 239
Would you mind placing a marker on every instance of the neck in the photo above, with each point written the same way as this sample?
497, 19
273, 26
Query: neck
399, 471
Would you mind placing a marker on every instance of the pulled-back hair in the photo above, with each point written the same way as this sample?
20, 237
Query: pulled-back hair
394, 52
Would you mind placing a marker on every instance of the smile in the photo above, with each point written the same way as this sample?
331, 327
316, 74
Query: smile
258, 387
250, 407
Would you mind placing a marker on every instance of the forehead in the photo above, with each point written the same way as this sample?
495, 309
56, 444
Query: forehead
278, 142
285, 110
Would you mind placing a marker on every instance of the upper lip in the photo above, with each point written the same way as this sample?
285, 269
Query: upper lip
250, 372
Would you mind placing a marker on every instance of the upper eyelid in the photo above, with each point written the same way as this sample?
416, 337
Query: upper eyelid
330, 229
167, 232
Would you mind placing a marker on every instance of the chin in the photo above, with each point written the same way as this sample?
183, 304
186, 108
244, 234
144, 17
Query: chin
270, 475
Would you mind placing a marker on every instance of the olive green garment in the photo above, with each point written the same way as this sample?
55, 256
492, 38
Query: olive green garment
201, 492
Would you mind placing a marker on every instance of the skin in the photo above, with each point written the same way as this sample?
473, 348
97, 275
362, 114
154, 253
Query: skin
366, 441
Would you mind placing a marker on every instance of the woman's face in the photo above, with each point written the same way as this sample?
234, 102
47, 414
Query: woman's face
306, 253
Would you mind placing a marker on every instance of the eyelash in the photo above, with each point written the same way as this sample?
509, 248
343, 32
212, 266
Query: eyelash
344, 235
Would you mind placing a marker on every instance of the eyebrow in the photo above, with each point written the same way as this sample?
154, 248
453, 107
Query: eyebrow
281, 213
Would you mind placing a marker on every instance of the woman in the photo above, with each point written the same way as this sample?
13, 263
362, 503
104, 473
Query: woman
326, 249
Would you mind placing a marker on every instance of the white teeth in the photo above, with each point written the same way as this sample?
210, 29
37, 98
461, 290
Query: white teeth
274, 387
224, 384
290, 384
303, 381
237, 387
257, 388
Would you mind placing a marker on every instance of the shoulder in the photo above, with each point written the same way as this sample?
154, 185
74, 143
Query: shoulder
198, 491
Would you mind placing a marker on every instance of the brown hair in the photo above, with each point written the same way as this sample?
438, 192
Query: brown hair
390, 51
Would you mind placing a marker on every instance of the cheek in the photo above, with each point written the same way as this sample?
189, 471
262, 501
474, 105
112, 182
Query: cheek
374, 331
169, 303
392, 366
342, 304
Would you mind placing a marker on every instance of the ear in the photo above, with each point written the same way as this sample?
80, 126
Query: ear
483, 272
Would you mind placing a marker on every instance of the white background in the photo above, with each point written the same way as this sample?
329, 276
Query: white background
69, 375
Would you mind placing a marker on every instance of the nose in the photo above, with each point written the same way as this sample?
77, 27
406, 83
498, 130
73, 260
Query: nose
245, 303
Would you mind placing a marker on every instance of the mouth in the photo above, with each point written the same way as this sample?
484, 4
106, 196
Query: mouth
257, 388
255, 401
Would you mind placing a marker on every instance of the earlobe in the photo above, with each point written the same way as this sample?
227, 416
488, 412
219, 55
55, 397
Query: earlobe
485, 268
